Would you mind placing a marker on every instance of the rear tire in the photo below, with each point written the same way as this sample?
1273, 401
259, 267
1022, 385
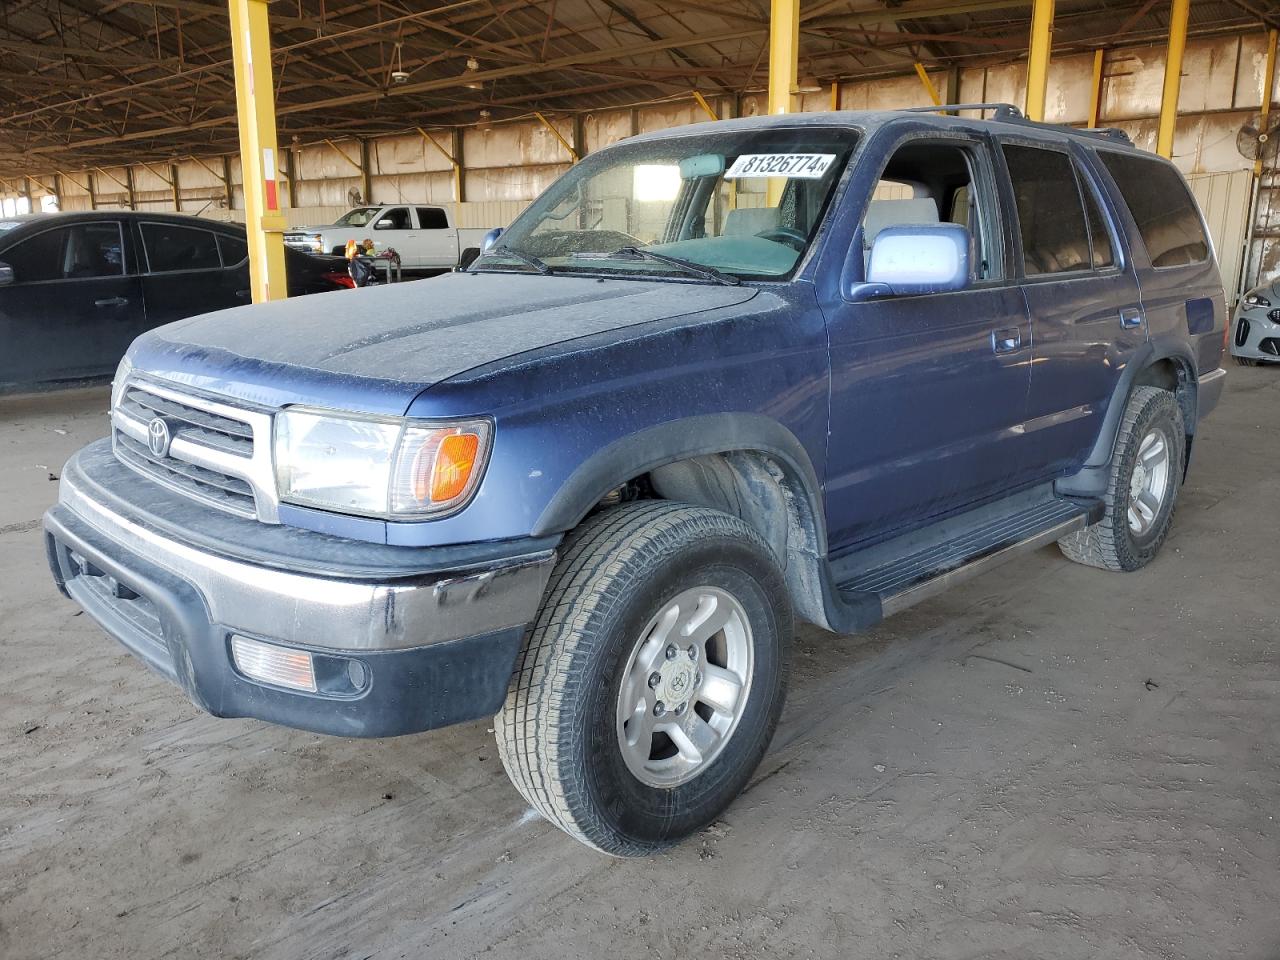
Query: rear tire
468, 257
1142, 489
620, 629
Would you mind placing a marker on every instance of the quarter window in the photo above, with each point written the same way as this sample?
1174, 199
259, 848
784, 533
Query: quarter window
1051, 216
68, 253
1162, 207
171, 247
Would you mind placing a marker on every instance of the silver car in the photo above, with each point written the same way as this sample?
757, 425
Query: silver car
1255, 329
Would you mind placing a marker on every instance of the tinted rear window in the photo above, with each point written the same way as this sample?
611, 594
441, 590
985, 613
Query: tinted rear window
1162, 207
432, 218
234, 250
1051, 218
171, 247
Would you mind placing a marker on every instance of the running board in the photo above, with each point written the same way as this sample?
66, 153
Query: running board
910, 569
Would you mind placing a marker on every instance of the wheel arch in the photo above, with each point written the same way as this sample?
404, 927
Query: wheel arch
1170, 366
747, 465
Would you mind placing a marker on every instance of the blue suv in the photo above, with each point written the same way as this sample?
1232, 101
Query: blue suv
714, 380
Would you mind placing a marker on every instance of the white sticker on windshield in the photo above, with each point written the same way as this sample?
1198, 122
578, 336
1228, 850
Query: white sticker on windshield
802, 166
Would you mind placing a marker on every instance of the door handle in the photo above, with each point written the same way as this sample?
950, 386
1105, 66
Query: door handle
1006, 341
1131, 317
243, 294
112, 302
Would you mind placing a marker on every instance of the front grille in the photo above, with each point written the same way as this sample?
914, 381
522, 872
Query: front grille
191, 423
217, 453
1274, 315
218, 489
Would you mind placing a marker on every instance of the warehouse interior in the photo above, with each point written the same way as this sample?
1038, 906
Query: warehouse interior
1047, 761
481, 105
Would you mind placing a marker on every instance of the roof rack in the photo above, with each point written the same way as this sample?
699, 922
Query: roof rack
1003, 111
1008, 113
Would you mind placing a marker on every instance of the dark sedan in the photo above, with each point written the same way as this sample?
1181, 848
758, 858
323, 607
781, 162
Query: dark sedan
76, 288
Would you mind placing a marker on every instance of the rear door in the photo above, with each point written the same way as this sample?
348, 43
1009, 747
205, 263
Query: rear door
438, 241
1082, 296
184, 274
73, 308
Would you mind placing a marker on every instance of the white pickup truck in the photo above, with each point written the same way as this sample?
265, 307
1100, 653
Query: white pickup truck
425, 237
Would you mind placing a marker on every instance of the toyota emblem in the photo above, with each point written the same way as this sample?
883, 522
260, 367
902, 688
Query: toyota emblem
158, 438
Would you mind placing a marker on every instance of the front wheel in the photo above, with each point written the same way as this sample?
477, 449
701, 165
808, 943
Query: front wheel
1146, 472
651, 682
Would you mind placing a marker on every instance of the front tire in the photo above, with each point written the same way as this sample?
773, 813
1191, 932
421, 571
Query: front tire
651, 682
1142, 489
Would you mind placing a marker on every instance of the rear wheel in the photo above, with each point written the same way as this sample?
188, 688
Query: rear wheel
1146, 472
652, 680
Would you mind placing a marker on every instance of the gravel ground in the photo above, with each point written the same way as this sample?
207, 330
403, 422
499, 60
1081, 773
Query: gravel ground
1049, 761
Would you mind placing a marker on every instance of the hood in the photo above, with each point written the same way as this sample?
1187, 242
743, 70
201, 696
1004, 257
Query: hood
377, 348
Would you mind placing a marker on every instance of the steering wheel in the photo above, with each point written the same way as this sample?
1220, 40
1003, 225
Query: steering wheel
786, 235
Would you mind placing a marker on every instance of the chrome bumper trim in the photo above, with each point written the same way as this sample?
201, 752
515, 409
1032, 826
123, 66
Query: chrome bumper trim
323, 612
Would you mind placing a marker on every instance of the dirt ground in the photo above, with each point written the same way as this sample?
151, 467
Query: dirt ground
1047, 762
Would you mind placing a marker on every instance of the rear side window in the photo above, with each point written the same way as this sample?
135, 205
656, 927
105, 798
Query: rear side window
432, 218
171, 247
1162, 207
1051, 216
234, 250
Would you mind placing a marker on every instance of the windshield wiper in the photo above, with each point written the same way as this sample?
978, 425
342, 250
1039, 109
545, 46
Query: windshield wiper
688, 266
526, 258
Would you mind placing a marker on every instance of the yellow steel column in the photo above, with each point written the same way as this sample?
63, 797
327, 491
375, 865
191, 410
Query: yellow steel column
256, 112
1178, 13
1095, 90
784, 63
1268, 87
1038, 57
929, 88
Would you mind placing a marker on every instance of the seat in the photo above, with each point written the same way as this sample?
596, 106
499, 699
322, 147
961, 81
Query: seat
896, 213
748, 221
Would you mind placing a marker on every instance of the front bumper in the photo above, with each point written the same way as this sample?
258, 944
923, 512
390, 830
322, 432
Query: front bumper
431, 647
1255, 335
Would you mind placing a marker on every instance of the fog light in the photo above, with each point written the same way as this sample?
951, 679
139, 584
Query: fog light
271, 664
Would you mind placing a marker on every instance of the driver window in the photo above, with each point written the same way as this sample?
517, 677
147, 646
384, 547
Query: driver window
926, 183
399, 217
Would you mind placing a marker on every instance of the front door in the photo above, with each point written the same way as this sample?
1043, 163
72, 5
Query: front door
395, 227
928, 393
72, 309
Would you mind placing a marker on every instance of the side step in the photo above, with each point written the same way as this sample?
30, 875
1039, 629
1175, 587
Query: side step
913, 567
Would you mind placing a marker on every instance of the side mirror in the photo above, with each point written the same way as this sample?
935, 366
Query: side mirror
386, 223
490, 239
916, 259
6, 275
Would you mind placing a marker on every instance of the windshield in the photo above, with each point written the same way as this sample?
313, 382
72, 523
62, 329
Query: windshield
744, 204
359, 217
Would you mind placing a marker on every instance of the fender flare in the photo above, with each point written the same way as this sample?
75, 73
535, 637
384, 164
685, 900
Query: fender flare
1091, 480
701, 435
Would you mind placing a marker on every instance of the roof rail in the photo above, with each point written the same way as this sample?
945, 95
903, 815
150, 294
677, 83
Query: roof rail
1003, 111
1008, 113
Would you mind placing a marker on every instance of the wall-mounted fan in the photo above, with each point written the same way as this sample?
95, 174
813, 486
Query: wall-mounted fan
354, 199
1258, 142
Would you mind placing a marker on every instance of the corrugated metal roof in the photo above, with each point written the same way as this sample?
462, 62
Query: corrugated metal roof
123, 80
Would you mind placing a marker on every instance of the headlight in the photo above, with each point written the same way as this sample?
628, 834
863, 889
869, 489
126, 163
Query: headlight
317, 243
123, 370
1256, 300
378, 466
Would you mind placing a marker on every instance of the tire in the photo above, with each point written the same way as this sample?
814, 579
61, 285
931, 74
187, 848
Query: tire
561, 732
1113, 543
468, 257
1248, 362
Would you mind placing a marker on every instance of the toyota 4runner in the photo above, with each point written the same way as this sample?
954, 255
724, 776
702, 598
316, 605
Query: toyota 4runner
715, 380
